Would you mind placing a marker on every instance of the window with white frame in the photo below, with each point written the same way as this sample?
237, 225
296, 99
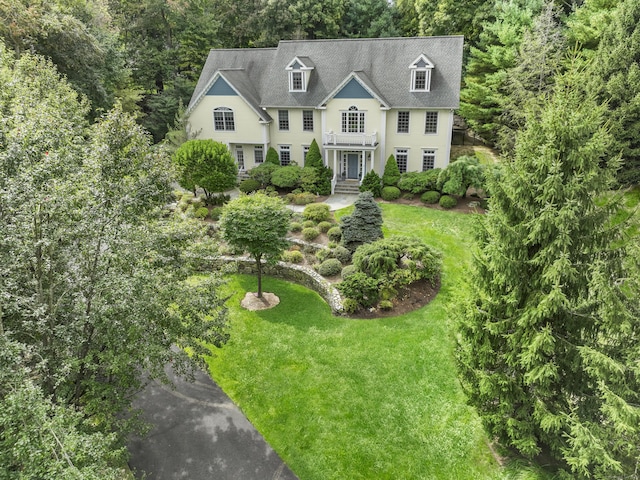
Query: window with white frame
258, 154
421, 74
353, 121
283, 119
305, 150
431, 122
296, 81
428, 159
307, 120
402, 158
223, 119
403, 122
285, 154
240, 157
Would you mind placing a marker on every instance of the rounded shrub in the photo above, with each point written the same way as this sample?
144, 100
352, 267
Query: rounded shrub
390, 193
334, 234
308, 224
324, 226
360, 287
348, 271
342, 254
318, 212
323, 254
293, 256
301, 198
201, 212
430, 197
249, 185
330, 267
310, 233
286, 177
295, 227
215, 213
447, 201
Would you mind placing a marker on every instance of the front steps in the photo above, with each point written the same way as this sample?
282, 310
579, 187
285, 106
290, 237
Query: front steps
347, 187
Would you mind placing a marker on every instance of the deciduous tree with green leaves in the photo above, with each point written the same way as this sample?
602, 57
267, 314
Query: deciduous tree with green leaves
548, 340
94, 278
207, 164
257, 224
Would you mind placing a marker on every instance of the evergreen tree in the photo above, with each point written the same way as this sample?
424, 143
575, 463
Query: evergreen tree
272, 156
391, 173
465, 172
483, 96
548, 339
314, 157
364, 225
616, 80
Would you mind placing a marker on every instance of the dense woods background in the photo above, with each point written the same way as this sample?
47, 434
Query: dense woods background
553, 85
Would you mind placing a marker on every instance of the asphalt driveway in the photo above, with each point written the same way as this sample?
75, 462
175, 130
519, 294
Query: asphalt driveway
199, 434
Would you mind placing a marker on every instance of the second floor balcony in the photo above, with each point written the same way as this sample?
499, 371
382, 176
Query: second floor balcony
331, 139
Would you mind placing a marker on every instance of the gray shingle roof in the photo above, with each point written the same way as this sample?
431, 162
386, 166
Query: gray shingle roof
382, 63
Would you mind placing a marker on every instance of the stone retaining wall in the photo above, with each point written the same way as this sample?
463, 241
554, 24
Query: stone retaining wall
295, 273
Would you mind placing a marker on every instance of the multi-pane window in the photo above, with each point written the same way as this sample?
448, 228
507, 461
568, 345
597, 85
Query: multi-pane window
428, 159
403, 122
431, 122
285, 155
240, 157
297, 81
420, 80
305, 150
402, 157
307, 120
223, 119
258, 154
283, 119
353, 121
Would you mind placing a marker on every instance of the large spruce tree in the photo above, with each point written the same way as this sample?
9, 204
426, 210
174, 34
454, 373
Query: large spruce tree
616, 79
548, 341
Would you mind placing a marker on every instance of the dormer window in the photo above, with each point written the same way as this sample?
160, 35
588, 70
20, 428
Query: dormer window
299, 71
421, 74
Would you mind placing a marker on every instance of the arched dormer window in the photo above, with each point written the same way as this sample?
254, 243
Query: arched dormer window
421, 74
223, 119
353, 120
299, 71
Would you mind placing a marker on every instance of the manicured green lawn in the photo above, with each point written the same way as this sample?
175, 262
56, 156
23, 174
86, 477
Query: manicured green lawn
360, 399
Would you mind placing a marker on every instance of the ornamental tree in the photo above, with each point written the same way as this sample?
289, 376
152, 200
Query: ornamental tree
548, 337
206, 164
257, 224
364, 225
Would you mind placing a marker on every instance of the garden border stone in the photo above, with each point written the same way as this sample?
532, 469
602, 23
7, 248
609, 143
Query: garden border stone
300, 274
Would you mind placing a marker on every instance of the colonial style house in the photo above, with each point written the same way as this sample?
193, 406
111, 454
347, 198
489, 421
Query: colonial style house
362, 100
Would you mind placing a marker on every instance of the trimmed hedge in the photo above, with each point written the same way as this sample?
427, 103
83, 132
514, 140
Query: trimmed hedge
318, 212
334, 234
430, 197
447, 201
330, 267
390, 193
249, 185
310, 233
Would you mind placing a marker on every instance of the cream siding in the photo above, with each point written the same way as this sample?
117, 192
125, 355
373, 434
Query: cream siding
247, 122
417, 140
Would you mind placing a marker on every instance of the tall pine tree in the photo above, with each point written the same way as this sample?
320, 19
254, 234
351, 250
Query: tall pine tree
616, 79
548, 339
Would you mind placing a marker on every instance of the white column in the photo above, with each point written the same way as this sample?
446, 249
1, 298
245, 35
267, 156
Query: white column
448, 146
